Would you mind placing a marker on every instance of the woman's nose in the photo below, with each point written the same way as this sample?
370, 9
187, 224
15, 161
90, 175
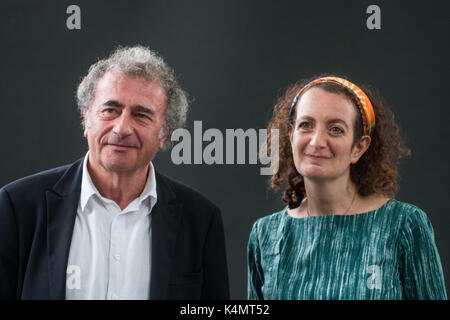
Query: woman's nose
318, 139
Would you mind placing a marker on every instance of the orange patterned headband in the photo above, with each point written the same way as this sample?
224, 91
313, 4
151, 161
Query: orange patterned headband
364, 104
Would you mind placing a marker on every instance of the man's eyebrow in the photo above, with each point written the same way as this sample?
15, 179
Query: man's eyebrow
139, 108
113, 103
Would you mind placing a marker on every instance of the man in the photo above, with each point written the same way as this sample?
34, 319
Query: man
108, 226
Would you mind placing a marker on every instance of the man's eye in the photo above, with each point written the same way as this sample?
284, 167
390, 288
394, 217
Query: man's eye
108, 110
143, 116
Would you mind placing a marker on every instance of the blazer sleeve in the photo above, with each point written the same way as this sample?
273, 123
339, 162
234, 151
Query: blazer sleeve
8, 248
421, 266
215, 268
255, 276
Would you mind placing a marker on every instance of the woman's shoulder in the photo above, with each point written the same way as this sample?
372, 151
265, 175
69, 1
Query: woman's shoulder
264, 230
411, 215
269, 221
404, 208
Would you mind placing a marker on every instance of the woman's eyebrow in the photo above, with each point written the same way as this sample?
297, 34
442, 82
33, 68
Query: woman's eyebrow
337, 120
305, 118
330, 121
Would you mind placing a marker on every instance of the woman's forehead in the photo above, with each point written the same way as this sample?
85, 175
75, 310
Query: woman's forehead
320, 104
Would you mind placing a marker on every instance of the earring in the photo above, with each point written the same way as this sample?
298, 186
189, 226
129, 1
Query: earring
297, 193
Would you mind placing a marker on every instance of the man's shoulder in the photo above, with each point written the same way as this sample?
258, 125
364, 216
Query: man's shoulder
43, 180
182, 192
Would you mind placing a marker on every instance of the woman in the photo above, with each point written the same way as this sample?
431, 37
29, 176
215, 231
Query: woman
342, 235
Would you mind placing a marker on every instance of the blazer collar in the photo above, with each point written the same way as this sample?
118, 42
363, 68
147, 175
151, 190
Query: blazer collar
166, 218
62, 203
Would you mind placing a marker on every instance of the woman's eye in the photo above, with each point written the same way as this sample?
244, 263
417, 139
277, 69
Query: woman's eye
304, 125
337, 130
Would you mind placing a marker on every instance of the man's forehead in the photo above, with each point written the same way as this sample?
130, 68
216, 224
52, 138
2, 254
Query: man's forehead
113, 76
114, 82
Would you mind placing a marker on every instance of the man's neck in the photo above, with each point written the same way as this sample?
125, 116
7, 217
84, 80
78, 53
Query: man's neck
121, 187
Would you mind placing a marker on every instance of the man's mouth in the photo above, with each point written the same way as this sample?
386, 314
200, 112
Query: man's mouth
119, 145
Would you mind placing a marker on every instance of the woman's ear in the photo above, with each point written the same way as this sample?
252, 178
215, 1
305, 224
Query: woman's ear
359, 148
291, 133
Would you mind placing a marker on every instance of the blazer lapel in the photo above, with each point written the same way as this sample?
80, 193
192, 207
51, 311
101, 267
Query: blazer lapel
166, 218
62, 203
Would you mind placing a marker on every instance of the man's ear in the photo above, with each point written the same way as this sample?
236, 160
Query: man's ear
85, 121
359, 148
162, 140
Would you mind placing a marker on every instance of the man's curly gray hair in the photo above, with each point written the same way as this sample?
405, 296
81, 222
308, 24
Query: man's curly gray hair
139, 62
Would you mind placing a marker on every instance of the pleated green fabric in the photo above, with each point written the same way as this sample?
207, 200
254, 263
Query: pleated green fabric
389, 253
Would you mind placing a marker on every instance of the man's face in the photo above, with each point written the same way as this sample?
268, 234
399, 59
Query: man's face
123, 124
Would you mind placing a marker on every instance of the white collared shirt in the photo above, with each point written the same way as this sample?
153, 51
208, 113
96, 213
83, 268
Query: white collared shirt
110, 252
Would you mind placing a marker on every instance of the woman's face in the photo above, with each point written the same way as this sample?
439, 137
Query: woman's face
322, 135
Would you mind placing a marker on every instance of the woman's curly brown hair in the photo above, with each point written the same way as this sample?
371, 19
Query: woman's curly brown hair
375, 172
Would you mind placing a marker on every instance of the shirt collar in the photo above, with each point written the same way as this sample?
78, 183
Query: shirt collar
88, 188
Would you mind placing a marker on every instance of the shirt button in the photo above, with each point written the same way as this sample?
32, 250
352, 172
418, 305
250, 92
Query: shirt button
115, 297
117, 257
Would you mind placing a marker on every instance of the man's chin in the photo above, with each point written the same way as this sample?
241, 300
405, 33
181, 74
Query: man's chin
119, 166
112, 162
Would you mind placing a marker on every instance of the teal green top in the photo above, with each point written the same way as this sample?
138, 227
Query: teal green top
389, 253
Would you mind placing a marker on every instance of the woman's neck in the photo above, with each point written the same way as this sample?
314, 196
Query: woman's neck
338, 197
330, 197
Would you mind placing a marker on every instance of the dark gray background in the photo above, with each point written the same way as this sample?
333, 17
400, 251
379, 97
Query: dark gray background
232, 57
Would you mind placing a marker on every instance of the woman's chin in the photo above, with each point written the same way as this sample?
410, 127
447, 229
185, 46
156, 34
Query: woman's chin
316, 174
314, 171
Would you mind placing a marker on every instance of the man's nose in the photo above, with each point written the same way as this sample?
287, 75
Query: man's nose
122, 125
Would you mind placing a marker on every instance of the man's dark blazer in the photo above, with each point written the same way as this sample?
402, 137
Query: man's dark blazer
37, 216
